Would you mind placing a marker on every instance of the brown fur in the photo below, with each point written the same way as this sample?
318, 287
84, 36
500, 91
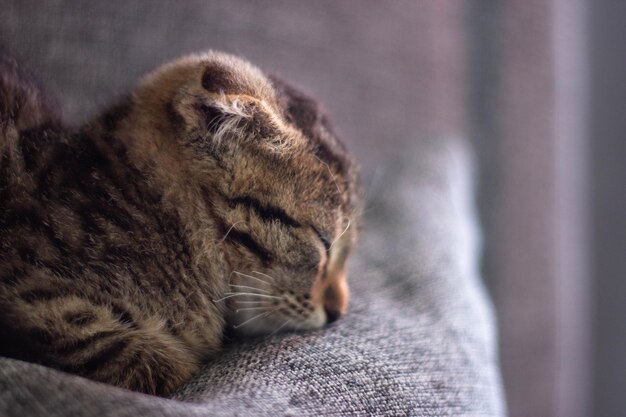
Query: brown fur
211, 195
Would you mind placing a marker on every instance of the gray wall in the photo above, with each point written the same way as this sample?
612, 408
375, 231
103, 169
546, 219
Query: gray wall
386, 71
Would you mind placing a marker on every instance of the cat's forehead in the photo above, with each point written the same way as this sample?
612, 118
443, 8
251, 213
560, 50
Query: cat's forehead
280, 136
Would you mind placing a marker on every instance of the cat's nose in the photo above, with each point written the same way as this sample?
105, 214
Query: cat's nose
336, 299
332, 315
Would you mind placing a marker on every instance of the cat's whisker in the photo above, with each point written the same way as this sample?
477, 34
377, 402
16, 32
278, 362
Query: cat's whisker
342, 233
235, 294
256, 302
231, 228
330, 172
250, 308
265, 282
258, 316
281, 326
255, 278
250, 288
271, 283
272, 279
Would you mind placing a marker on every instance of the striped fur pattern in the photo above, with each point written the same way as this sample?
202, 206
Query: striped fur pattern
212, 196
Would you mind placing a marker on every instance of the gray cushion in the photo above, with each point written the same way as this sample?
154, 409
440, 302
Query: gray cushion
418, 338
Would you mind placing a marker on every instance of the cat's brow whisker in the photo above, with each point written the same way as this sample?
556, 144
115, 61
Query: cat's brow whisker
342, 233
250, 288
231, 228
330, 172
235, 294
253, 318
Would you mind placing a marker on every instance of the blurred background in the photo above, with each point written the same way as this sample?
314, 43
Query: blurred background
536, 86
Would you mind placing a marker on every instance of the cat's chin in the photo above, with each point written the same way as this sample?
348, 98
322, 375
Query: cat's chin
245, 325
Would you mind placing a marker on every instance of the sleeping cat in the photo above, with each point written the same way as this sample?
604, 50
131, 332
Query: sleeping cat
213, 195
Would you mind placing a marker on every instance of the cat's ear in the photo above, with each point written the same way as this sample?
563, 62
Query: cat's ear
222, 106
217, 78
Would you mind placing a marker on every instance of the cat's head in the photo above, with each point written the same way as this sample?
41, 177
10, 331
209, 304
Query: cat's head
280, 190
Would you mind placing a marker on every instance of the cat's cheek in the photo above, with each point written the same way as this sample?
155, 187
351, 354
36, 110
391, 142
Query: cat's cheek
317, 320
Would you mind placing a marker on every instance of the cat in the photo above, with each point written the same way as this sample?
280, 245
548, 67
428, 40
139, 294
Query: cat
212, 196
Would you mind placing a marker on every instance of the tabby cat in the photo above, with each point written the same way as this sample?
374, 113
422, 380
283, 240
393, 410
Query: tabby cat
212, 196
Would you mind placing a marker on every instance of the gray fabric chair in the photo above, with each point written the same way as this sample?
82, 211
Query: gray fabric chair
419, 335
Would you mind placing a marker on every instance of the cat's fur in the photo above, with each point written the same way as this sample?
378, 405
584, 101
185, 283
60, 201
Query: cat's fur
127, 245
